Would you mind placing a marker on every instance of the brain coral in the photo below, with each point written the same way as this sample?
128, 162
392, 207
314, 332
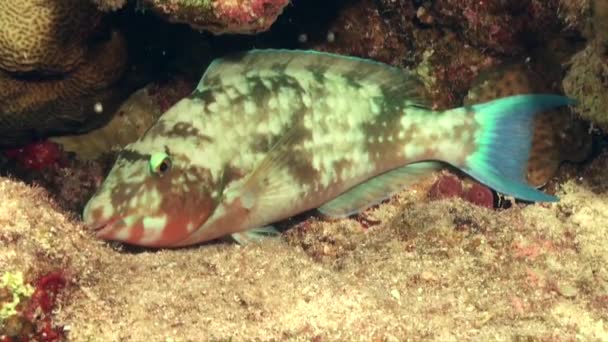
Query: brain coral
31, 109
60, 70
44, 36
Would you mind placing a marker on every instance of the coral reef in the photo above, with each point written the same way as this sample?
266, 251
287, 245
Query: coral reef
577, 15
400, 270
588, 69
61, 70
600, 24
45, 36
46, 164
359, 30
219, 16
501, 26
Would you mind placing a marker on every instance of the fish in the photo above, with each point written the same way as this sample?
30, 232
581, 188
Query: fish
269, 134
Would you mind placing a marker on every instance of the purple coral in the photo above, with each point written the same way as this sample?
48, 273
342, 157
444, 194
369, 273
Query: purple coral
449, 186
445, 187
480, 195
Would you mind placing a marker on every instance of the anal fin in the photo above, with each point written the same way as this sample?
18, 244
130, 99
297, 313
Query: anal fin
378, 189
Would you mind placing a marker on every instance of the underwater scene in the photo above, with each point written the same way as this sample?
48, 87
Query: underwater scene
304, 170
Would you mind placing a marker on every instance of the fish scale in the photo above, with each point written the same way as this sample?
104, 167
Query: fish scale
269, 134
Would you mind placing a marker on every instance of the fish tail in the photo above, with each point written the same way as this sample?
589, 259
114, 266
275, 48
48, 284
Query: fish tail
503, 142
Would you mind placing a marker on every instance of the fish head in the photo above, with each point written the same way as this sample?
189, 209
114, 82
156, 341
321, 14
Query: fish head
152, 197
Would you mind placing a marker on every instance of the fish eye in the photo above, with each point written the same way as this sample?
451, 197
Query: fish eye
160, 163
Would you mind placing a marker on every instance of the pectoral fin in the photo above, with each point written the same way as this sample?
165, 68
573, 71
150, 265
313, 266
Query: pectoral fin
270, 183
254, 235
377, 189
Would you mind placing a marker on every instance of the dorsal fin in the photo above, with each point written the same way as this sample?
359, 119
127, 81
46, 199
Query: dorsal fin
403, 83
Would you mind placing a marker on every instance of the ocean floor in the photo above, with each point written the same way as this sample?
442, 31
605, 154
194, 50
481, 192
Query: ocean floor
410, 269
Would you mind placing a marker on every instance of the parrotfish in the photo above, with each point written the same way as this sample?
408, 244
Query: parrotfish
268, 134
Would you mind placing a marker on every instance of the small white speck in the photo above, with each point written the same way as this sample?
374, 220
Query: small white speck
331, 37
303, 38
98, 107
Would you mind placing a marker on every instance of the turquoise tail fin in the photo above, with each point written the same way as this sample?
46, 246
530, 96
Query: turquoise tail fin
503, 143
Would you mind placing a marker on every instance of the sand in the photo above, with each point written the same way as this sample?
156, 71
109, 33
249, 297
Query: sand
435, 270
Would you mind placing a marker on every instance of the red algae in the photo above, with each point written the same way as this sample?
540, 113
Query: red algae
445, 187
449, 186
36, 156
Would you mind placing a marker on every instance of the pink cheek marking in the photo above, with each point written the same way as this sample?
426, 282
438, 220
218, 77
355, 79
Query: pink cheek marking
176, 229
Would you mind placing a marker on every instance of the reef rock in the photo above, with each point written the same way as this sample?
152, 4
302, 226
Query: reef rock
501, 26
587, 77
219, 16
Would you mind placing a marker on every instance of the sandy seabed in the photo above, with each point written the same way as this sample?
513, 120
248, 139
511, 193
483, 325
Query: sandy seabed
434, 270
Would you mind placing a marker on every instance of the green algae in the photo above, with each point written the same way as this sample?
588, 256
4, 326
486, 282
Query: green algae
13, 281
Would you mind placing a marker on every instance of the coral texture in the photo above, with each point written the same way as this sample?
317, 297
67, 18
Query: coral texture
132, 119
359, 30
44, 36
220, 16
586, 79
60, 69
502, 26
109, 5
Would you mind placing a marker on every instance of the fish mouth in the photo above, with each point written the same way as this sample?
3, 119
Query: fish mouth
101, 229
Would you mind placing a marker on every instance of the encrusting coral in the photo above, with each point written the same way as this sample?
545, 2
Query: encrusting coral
216, 16
61, 71
501, 26
588, 69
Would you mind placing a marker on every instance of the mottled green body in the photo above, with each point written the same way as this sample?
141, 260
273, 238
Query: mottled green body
262, 139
